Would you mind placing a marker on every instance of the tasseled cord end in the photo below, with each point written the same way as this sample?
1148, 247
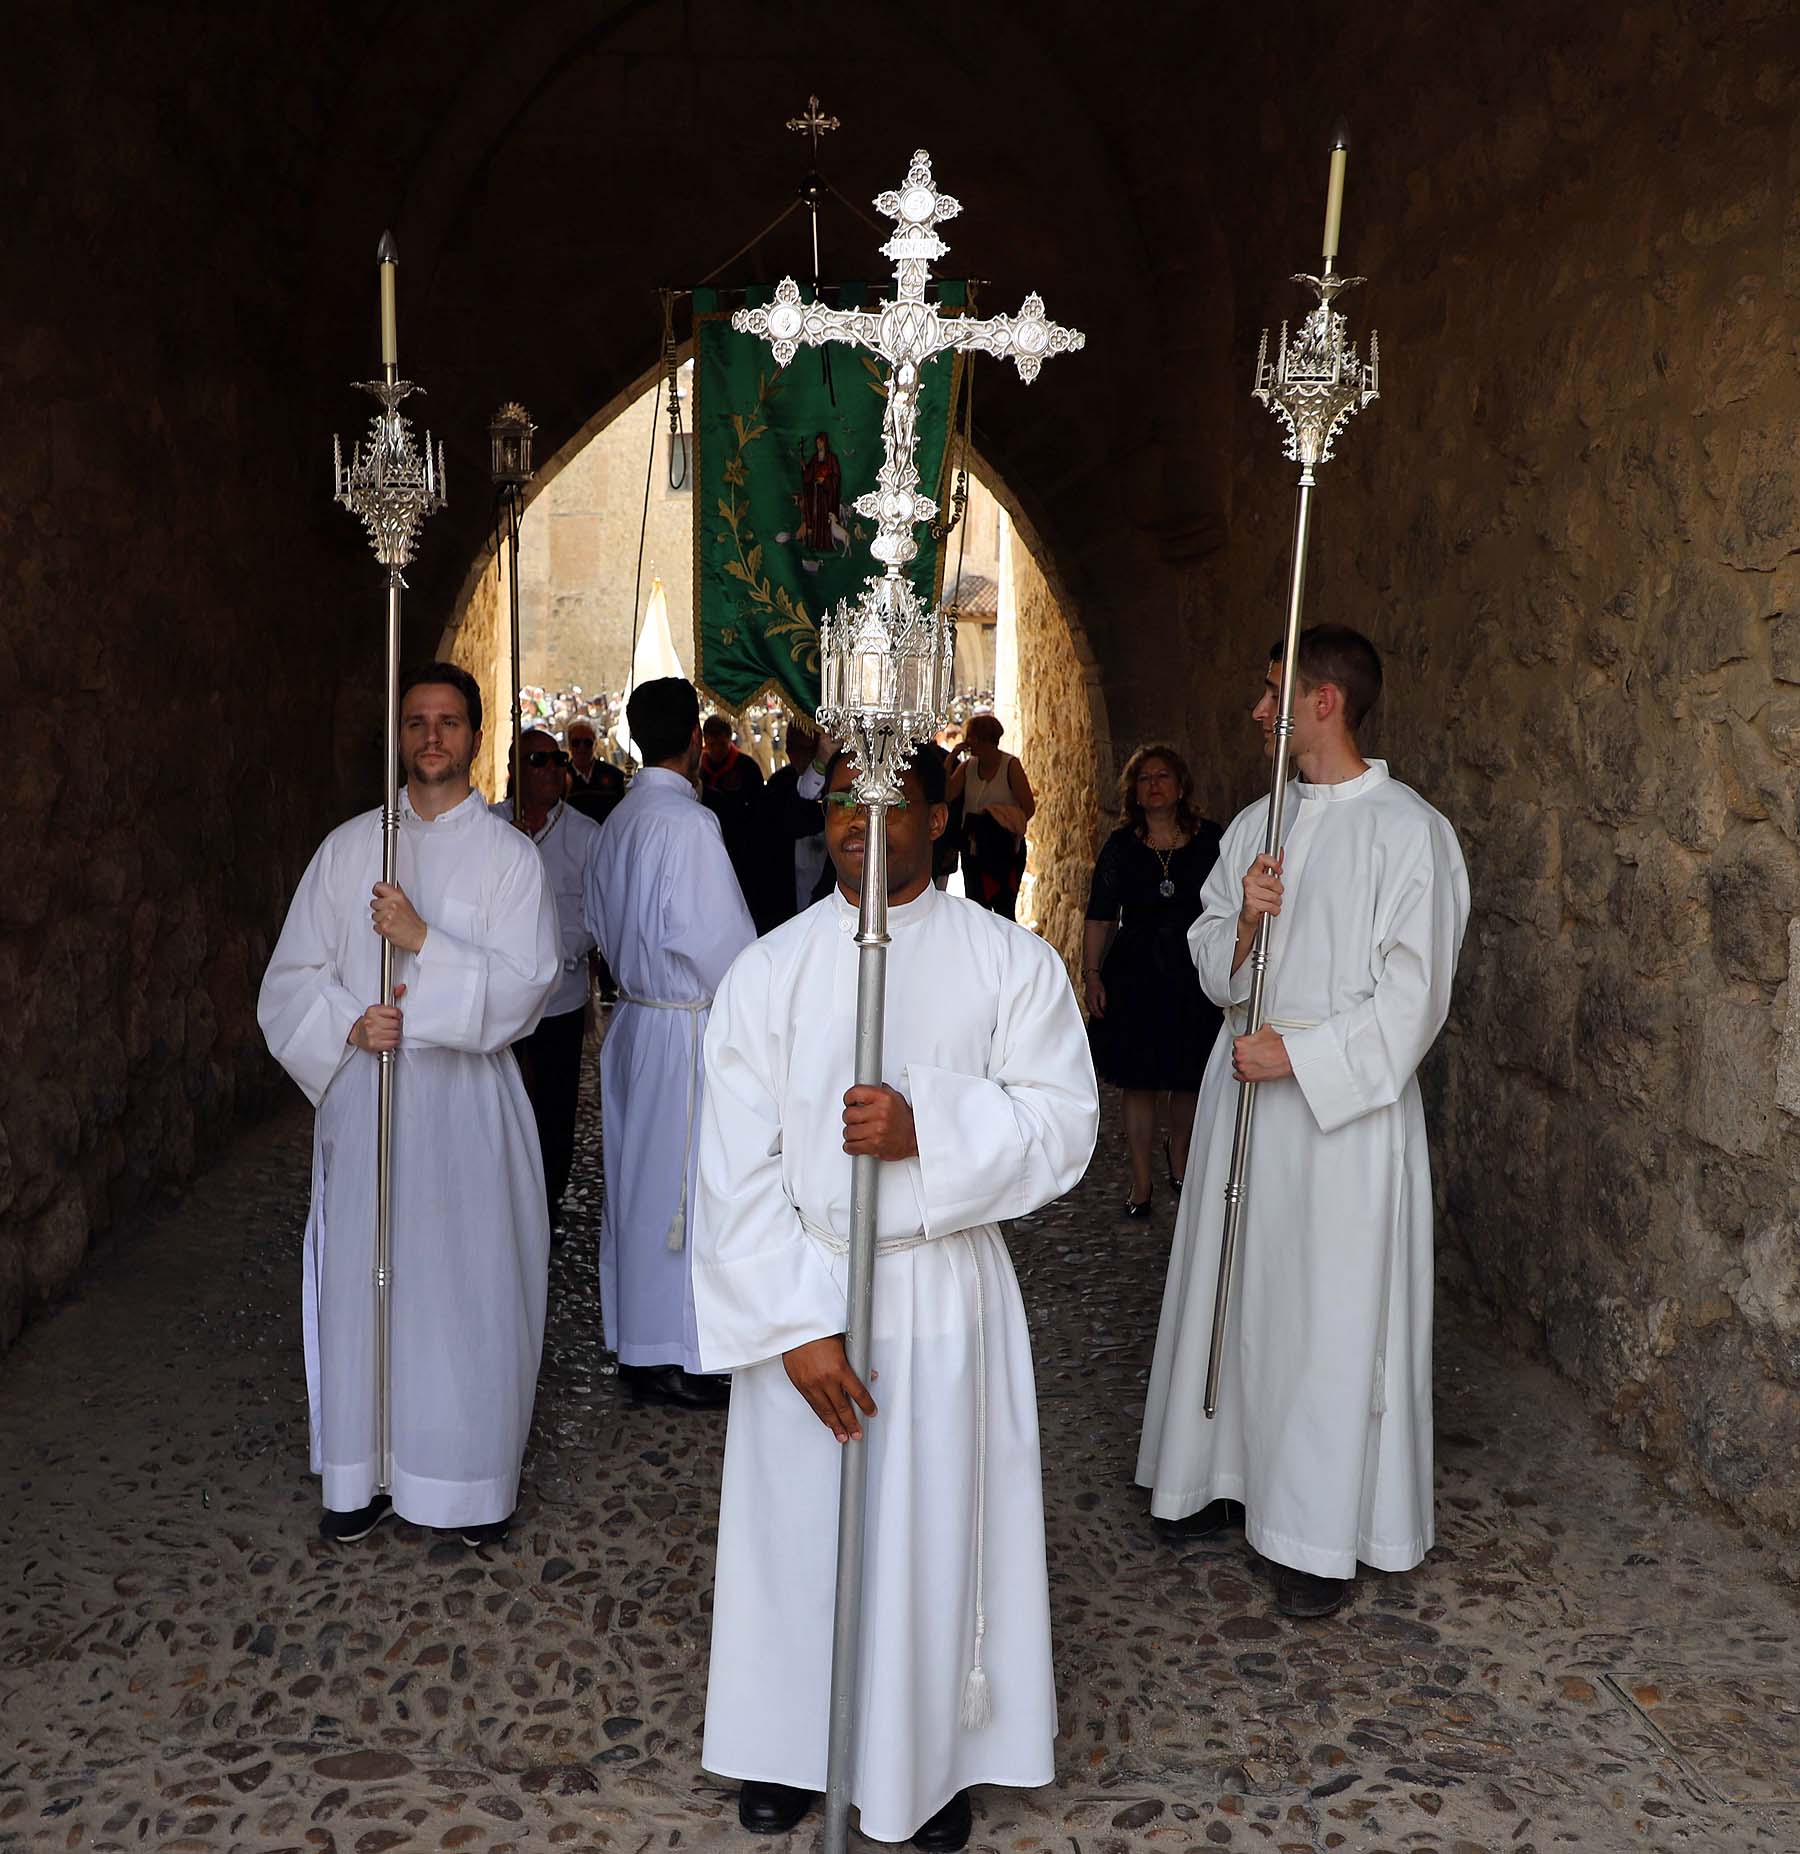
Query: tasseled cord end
677, 1238
977, 1698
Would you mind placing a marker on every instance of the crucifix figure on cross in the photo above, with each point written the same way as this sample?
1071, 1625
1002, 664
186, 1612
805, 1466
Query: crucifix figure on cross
906, 333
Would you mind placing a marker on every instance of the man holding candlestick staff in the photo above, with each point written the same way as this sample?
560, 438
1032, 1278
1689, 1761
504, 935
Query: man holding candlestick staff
473, 924
1322, 1443
1290, 1390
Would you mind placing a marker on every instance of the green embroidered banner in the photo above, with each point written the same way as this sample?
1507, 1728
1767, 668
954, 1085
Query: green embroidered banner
780, 459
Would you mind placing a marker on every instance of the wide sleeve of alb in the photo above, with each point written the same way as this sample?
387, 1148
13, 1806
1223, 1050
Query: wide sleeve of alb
761, 1285
304, 1009
1361, 1059
1005, 1143
704, 914
481, 995
1212, 940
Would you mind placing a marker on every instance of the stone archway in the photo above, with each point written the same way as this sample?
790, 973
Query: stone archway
1050, 696
591, 506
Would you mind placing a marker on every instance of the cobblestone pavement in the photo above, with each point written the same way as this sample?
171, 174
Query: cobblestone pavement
1583, 1662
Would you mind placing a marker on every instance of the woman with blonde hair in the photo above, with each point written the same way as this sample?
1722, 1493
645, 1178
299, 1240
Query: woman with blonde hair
1152, 1028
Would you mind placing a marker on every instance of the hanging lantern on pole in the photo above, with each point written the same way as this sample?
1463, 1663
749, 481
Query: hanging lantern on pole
509, 444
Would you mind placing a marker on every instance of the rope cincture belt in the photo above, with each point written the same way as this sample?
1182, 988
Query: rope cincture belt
1240, 1018
677, 1236
977, 1699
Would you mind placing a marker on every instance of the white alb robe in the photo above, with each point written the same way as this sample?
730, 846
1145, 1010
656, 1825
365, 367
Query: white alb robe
568, 842
1324, 1422
470, 1234
670, 918
984, 1038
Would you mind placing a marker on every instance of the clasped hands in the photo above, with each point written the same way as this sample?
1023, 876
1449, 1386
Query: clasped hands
878, 1123
393, 917
820, 1372
1262, 1057
378, 1029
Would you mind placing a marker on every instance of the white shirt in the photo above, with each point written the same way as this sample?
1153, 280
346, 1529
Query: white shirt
568, 842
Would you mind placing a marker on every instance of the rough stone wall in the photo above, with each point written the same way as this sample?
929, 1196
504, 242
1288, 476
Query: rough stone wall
1571, 524
482, 644
1570, 520
181, 708
1053, 702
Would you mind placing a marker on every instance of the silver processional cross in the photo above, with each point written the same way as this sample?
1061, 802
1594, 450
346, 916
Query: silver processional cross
885, 671
906, 332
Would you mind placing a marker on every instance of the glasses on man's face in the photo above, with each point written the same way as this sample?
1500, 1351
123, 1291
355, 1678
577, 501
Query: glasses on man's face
848, 801
579, 743
546, 759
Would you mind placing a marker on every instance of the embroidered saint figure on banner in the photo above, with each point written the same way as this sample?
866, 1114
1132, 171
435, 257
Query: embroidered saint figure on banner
821, 496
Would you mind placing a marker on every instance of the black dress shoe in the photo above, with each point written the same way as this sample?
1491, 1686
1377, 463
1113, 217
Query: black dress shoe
1214, 1517
1137, 1210
352, 1527
701, 1390
773, 1808
493, 1532
676, 1389
1299, 1593
948, 1830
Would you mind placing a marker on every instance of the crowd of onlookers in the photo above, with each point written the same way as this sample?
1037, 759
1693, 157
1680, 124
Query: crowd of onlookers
753, 778
761, 774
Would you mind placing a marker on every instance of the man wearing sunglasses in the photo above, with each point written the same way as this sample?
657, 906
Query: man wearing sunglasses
595, 785
550, 1057
988, 1110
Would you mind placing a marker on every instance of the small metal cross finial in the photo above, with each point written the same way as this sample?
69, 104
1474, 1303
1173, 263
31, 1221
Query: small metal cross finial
814, 123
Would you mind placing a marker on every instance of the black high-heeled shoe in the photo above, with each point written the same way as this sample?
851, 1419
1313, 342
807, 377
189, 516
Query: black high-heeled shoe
1169, 1161
1137, 1210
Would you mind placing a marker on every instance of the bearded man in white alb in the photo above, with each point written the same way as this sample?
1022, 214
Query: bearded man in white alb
473, 926
988, 1110
1322, 1443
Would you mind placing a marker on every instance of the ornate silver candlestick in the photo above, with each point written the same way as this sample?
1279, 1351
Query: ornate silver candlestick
885, 689
1315, 385
390, 484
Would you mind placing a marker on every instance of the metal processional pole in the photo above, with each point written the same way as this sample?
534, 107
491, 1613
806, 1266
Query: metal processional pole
390, 484
1314, 386
885, 677
509, 440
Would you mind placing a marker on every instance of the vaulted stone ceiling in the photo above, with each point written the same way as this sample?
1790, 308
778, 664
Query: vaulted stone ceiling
1571, 521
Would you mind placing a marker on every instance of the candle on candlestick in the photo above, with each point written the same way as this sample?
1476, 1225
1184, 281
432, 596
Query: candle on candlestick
387, 255
1334, 192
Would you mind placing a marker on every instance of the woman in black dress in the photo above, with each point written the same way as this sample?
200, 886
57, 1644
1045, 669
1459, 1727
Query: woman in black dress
1152, 1026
